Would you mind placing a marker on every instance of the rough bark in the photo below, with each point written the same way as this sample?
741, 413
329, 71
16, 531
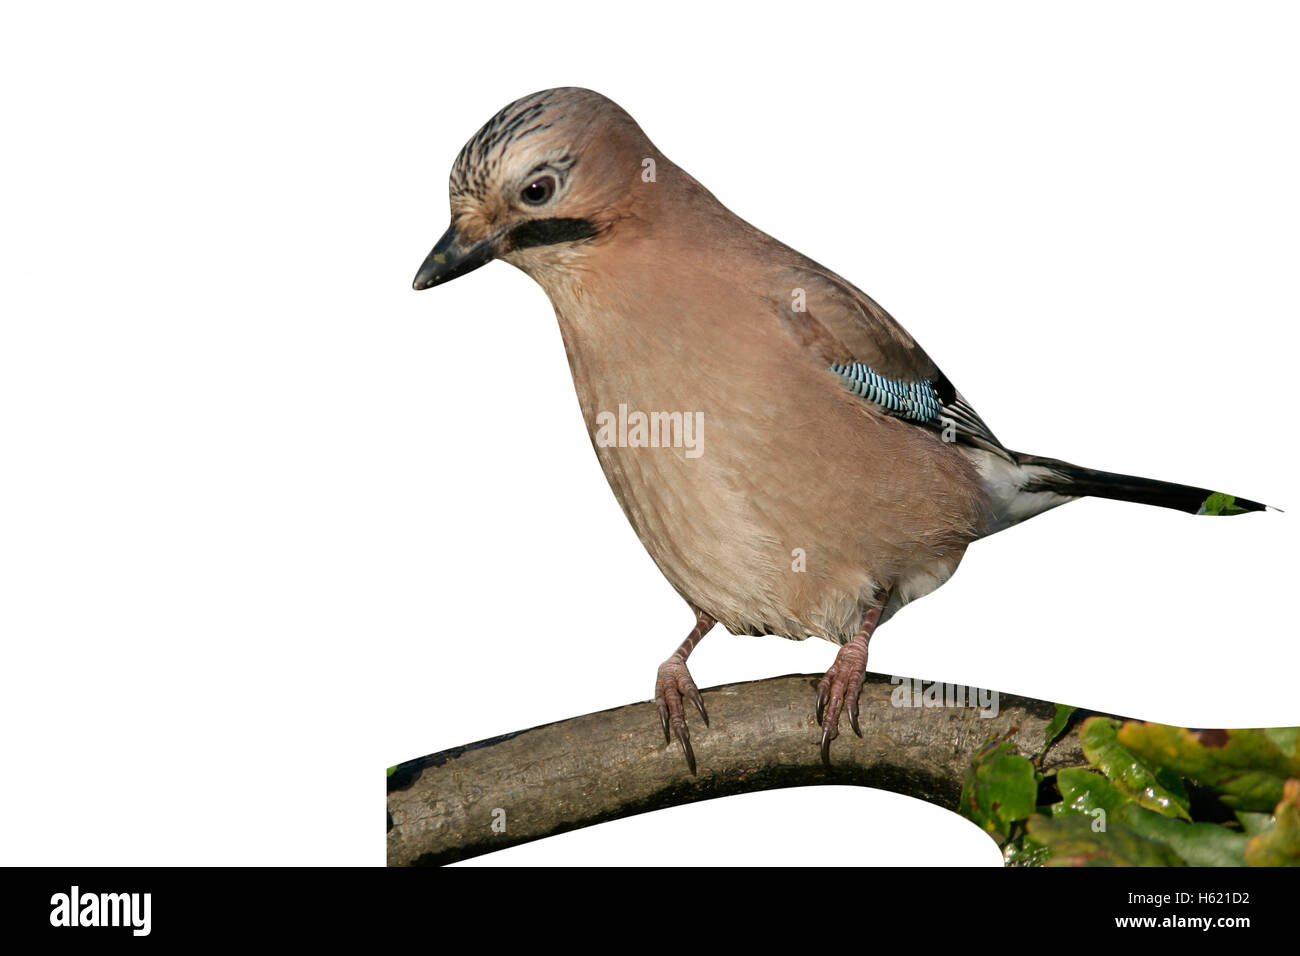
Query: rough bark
763, 735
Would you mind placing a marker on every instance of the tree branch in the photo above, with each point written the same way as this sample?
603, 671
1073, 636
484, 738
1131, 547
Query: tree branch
763, 736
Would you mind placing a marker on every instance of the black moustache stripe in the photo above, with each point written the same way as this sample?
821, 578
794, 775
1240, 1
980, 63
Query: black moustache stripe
547, 232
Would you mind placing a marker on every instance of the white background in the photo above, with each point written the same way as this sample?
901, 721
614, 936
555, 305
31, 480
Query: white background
272, 521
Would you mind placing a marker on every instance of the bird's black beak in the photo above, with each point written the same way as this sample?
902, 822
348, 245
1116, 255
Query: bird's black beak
449, 259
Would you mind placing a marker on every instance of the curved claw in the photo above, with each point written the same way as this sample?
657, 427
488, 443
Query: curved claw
851, 704
684, 738
839, 691
693, 693
672, 684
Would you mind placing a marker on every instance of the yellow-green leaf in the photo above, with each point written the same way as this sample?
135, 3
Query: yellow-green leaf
1247, 766
1161, 792
1074, 841
1279, 845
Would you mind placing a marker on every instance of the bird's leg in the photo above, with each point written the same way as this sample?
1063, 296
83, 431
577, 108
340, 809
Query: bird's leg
673, 682
842, 684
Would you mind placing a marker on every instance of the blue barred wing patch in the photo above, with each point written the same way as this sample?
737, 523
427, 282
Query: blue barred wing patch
915, 401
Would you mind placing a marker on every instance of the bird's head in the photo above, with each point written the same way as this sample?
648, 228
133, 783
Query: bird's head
547, 174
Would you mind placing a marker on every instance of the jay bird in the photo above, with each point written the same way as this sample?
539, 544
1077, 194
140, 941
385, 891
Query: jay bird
843, 475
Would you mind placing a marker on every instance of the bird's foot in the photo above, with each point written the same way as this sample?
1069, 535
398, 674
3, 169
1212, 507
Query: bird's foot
839, 690
672, 684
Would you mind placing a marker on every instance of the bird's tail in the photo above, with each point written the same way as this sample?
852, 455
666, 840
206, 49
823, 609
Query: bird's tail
1047, 475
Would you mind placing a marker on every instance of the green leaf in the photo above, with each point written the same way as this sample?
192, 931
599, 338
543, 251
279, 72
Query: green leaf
1199, 844
1279, 845
1253, 824
1024, 851
1286, 739
1161, 792
1000, 788
1220, 504
1083, 791
394, 767
1057, 725
1073, 841
1246, 765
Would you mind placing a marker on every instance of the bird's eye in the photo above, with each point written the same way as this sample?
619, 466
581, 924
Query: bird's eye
538, 191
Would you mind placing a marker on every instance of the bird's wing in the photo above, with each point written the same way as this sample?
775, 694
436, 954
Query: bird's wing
848, 332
